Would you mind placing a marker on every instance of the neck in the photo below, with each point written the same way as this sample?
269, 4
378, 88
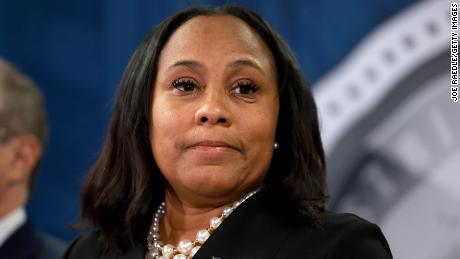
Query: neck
182, 220
11, 199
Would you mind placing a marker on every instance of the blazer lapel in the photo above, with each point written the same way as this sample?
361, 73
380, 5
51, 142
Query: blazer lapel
256, 229
22, 244
131, 253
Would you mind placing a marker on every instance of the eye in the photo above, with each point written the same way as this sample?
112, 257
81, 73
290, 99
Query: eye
185, 85
245, 87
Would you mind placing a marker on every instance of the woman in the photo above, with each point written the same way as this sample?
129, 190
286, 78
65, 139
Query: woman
214, 151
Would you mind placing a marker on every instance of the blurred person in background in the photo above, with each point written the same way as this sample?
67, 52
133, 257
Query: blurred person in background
23, 132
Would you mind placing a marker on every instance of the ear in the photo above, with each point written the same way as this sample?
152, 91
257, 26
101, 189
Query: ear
27, 151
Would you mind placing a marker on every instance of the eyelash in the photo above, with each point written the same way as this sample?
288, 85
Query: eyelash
185, 85
249, 85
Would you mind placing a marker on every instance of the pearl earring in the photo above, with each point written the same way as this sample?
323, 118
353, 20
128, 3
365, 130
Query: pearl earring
276, 145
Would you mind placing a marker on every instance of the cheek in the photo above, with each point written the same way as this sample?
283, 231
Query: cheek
164, 129
165, 121
262, 123
5, 160
259, 132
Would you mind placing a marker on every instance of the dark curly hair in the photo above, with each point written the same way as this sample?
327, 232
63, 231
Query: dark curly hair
125, 185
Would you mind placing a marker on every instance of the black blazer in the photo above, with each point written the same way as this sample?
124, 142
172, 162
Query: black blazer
28, 243
261, 228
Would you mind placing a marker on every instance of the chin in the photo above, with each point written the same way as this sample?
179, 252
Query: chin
212, 182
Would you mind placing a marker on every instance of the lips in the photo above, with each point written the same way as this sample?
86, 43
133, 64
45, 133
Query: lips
212, 145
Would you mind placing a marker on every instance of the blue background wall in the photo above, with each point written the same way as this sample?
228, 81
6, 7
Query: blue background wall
77, 50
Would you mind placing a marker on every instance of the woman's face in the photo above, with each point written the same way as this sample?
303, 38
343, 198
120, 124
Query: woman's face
214, 108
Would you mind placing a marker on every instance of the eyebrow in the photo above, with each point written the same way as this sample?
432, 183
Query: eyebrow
187, 63
235, 64
246, 62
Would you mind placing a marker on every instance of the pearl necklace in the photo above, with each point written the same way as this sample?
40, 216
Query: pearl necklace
186, 248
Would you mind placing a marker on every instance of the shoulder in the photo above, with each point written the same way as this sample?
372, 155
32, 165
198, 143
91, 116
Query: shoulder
28, 242
339, 236
51, 247
91, 246
347, 224
88, 247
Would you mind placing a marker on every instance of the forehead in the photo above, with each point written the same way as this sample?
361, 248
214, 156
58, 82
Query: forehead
215, 35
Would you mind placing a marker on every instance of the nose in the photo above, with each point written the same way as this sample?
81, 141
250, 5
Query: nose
213, 111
